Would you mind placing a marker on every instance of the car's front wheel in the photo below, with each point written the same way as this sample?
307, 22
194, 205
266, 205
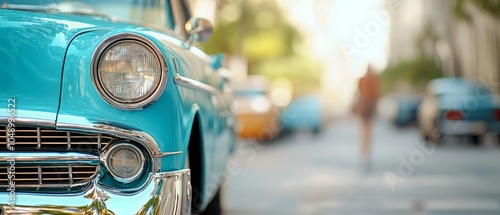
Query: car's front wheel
475, 140
215, 206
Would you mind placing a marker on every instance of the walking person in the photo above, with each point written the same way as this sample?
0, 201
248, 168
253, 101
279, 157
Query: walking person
368, 89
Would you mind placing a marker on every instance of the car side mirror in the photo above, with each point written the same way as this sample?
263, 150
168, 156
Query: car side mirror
199, 29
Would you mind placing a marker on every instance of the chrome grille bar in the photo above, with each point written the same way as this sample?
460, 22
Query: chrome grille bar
70, 170
48, 158
38, 138
49, 176
51, 158
68, 136
39, 174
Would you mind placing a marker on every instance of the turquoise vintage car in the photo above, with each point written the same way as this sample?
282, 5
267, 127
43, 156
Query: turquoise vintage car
109, 108
303, 113
455, 106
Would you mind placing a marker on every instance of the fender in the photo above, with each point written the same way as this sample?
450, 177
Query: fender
195, 109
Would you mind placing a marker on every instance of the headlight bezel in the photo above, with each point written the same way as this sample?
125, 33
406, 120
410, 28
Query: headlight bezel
106, 156
111, 99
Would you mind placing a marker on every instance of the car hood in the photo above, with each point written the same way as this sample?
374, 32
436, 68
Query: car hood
32, 50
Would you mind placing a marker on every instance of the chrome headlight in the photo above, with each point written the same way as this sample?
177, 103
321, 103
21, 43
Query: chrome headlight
125, 162
129, 71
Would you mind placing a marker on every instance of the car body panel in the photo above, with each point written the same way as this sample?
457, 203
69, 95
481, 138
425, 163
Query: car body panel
400, 108
473, 100
59, 89
257, 117
40, 42
303, 112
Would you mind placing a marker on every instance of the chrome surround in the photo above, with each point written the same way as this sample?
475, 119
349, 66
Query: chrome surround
139, 137
199, 29
30, 121
142, 101
154, 153
194, 84
165, 193
48, 158
105, 158
164, 154
26, 132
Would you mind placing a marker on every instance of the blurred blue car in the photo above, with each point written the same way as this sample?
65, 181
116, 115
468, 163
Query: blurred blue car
303, 113
456, 106
404, 109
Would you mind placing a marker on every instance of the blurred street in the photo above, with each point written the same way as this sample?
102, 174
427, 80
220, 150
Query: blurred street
320, 174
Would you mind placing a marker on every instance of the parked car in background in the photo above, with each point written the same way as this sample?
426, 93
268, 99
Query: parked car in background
111, 109
402, 109
456, 106
303, 113
257, 117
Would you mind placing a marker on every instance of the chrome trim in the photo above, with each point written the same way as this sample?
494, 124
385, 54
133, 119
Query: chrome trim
38, 138
42, 138
48, 157
140, 137
54, 186
194, 84
144, 100
99, 141
137, 136
70, 169
39, 175
46, 179
105, 158
30, 121
164, 154
176, 66
166, 193
56, 176
68, 139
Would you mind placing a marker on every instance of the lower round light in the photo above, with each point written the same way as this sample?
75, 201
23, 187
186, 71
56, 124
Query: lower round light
125, 162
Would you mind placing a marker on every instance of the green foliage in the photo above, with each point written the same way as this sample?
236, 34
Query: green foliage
258, 31
304, 73
415, 72
254, 29
459, 10
489, 6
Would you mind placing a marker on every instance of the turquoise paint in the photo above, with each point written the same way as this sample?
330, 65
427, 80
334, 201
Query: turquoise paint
47, 60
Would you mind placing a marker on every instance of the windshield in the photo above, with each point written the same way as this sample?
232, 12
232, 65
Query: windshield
152, 12
464, 90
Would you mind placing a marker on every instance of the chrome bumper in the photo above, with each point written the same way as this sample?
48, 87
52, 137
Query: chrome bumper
166, 193
463, 127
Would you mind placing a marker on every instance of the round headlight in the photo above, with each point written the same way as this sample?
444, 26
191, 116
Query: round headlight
128, 71
125, 162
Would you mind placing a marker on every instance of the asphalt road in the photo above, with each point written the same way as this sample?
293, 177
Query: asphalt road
307, 174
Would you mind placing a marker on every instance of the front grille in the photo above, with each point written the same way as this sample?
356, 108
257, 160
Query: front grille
49, 176
46, 175
37, 138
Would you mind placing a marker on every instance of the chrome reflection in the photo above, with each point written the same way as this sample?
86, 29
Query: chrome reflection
170, 194
194, 84
137, 136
